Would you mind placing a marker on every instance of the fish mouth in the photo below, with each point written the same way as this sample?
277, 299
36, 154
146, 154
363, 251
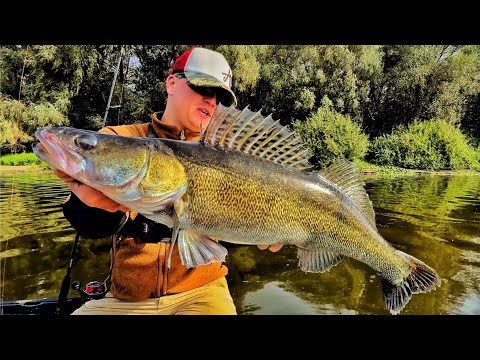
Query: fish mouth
51, 150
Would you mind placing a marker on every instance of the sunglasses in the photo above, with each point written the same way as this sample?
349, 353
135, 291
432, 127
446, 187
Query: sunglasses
206, 91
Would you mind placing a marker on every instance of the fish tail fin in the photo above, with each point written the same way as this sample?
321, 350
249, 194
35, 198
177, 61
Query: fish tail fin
421, 278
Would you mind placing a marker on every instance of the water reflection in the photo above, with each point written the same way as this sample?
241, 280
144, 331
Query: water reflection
434, 218
36, 240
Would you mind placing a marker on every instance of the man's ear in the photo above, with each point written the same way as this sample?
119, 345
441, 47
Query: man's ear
169, 82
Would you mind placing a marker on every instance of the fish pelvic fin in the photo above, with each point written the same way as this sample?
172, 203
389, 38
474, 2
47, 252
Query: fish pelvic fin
421, 278
346, 176
197, 249
250, 132
317, 260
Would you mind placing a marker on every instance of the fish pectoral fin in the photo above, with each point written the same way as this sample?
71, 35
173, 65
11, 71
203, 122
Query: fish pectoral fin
317, 260
197, 249
150, 204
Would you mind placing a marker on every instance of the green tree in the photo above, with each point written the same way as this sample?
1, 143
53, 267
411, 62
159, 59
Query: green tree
88, 105
330, 135
435, 144
11, 64
18, 122
294, 79
471, 120
422, 82
154, 62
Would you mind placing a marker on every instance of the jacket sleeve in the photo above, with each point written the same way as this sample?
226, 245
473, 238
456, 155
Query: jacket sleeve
91, 222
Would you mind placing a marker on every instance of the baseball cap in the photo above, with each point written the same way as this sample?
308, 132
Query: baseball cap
207, 68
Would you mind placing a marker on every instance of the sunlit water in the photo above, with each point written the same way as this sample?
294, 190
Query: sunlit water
434, 218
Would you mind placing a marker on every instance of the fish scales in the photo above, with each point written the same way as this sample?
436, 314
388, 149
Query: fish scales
269, 204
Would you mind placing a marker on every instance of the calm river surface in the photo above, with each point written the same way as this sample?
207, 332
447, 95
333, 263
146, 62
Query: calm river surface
434, 218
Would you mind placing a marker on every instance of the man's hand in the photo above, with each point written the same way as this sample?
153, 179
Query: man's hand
89, 195
272, 248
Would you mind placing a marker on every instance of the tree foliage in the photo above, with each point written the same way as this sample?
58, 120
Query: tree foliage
18, 121
435, 144
330, 136
422, 82
376, 87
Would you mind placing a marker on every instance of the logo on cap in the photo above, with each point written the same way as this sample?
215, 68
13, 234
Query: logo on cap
227, 77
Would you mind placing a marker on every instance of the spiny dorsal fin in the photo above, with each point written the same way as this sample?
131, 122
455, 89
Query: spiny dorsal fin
346, 176
252, 133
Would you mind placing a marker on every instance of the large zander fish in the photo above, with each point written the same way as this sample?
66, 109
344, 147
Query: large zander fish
247, 181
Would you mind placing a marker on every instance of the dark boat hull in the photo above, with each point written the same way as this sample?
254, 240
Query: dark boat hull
46, 307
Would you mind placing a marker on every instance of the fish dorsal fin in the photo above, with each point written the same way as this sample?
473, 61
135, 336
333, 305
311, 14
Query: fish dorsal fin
252, 133
346, 176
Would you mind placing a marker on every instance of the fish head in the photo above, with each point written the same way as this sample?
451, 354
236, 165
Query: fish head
124, 168
92, 157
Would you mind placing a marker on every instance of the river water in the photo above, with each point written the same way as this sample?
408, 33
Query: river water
432, 217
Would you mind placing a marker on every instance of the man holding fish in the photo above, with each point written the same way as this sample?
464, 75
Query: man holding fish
243, 179
144, 279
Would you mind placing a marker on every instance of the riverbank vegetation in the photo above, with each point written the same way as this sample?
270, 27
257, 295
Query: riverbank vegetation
387, 107
20, 159
29, 162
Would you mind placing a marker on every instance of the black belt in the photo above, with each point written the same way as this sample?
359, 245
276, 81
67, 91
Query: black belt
145, 230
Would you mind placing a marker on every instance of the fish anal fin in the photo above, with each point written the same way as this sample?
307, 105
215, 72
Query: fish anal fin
317, 260
196, 249
346, 176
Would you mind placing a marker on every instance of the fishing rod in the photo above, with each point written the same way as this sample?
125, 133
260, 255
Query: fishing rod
65, 288
93, 289
113, 86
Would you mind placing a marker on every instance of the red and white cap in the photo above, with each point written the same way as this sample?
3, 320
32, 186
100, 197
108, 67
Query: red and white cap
208, 68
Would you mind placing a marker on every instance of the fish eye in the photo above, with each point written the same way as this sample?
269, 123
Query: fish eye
86, 142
